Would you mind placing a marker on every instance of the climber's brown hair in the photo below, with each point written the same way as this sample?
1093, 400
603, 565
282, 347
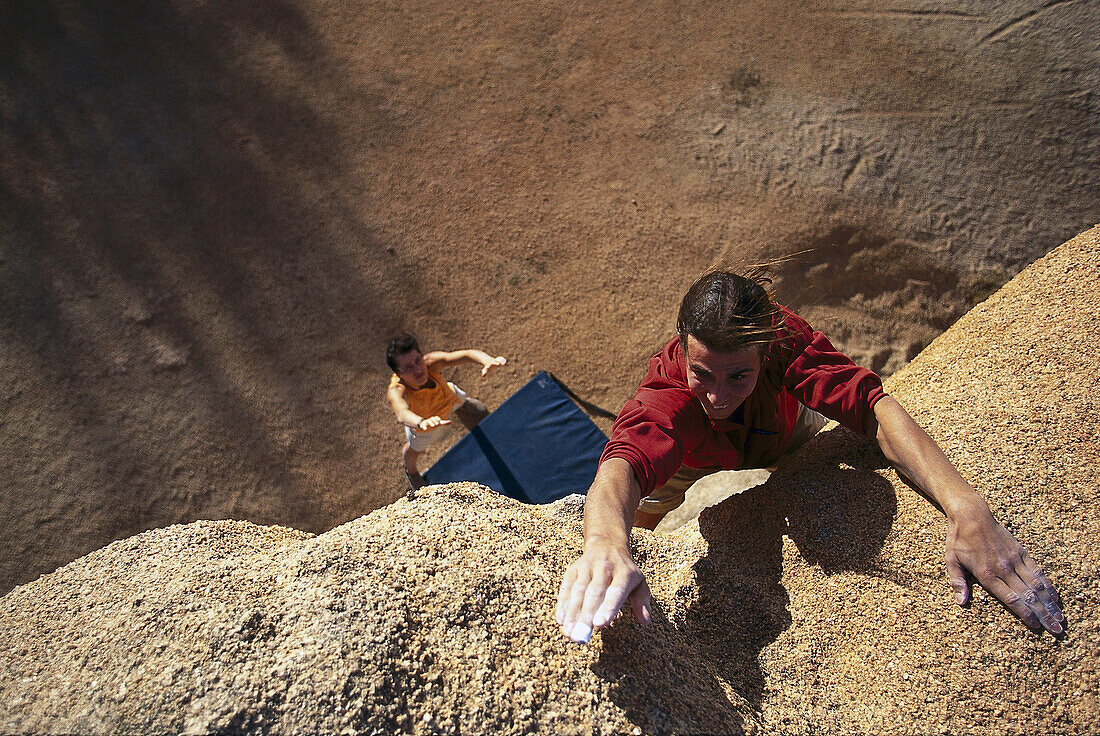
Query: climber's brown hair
728, 312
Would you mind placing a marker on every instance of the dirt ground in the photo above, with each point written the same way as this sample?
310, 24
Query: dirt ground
213, 216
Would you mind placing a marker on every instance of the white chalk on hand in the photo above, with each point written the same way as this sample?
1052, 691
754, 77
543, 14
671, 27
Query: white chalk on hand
581, 633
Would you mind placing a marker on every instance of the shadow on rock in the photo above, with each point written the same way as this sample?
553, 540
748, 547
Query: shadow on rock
836, 510
664, 679
740, 606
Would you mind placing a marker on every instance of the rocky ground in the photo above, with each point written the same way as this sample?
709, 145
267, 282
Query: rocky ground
213, 215
813, 604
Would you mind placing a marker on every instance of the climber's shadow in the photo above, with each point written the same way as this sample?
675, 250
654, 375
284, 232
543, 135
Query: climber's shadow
672, 677
835, 509
663, 682
838, 509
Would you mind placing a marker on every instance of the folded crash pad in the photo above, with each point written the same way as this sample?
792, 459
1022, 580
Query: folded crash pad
536, 447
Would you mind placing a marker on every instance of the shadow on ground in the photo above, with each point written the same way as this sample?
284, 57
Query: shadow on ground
183, 273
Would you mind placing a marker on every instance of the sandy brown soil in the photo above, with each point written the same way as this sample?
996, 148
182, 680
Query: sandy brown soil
212, 216
816, 603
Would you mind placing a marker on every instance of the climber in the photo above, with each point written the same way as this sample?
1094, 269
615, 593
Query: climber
740, 386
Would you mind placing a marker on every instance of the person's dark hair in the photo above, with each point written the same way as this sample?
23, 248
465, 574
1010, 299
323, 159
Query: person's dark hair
400, 345
729, 312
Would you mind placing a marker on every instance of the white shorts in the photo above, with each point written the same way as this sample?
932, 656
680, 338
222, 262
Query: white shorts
421, 441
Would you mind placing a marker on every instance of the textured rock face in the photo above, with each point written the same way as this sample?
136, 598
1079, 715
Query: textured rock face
427, 616
815, 603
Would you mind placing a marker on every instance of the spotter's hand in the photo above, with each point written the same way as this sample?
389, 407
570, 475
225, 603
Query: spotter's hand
432, 423
499, 360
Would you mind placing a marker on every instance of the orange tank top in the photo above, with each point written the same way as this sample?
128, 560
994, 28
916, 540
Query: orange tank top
437, 401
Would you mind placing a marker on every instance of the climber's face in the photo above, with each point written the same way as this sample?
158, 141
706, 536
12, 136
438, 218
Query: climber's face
412, 369
721, 381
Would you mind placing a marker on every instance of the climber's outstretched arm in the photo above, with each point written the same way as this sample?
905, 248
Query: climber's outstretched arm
597, 585
976, 542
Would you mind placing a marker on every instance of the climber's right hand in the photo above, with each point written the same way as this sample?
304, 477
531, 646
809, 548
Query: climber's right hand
596, 586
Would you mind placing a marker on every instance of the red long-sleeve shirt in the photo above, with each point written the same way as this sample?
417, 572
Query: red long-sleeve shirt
664, 426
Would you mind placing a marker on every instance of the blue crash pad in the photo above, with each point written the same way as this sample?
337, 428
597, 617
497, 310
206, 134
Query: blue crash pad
537, 447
